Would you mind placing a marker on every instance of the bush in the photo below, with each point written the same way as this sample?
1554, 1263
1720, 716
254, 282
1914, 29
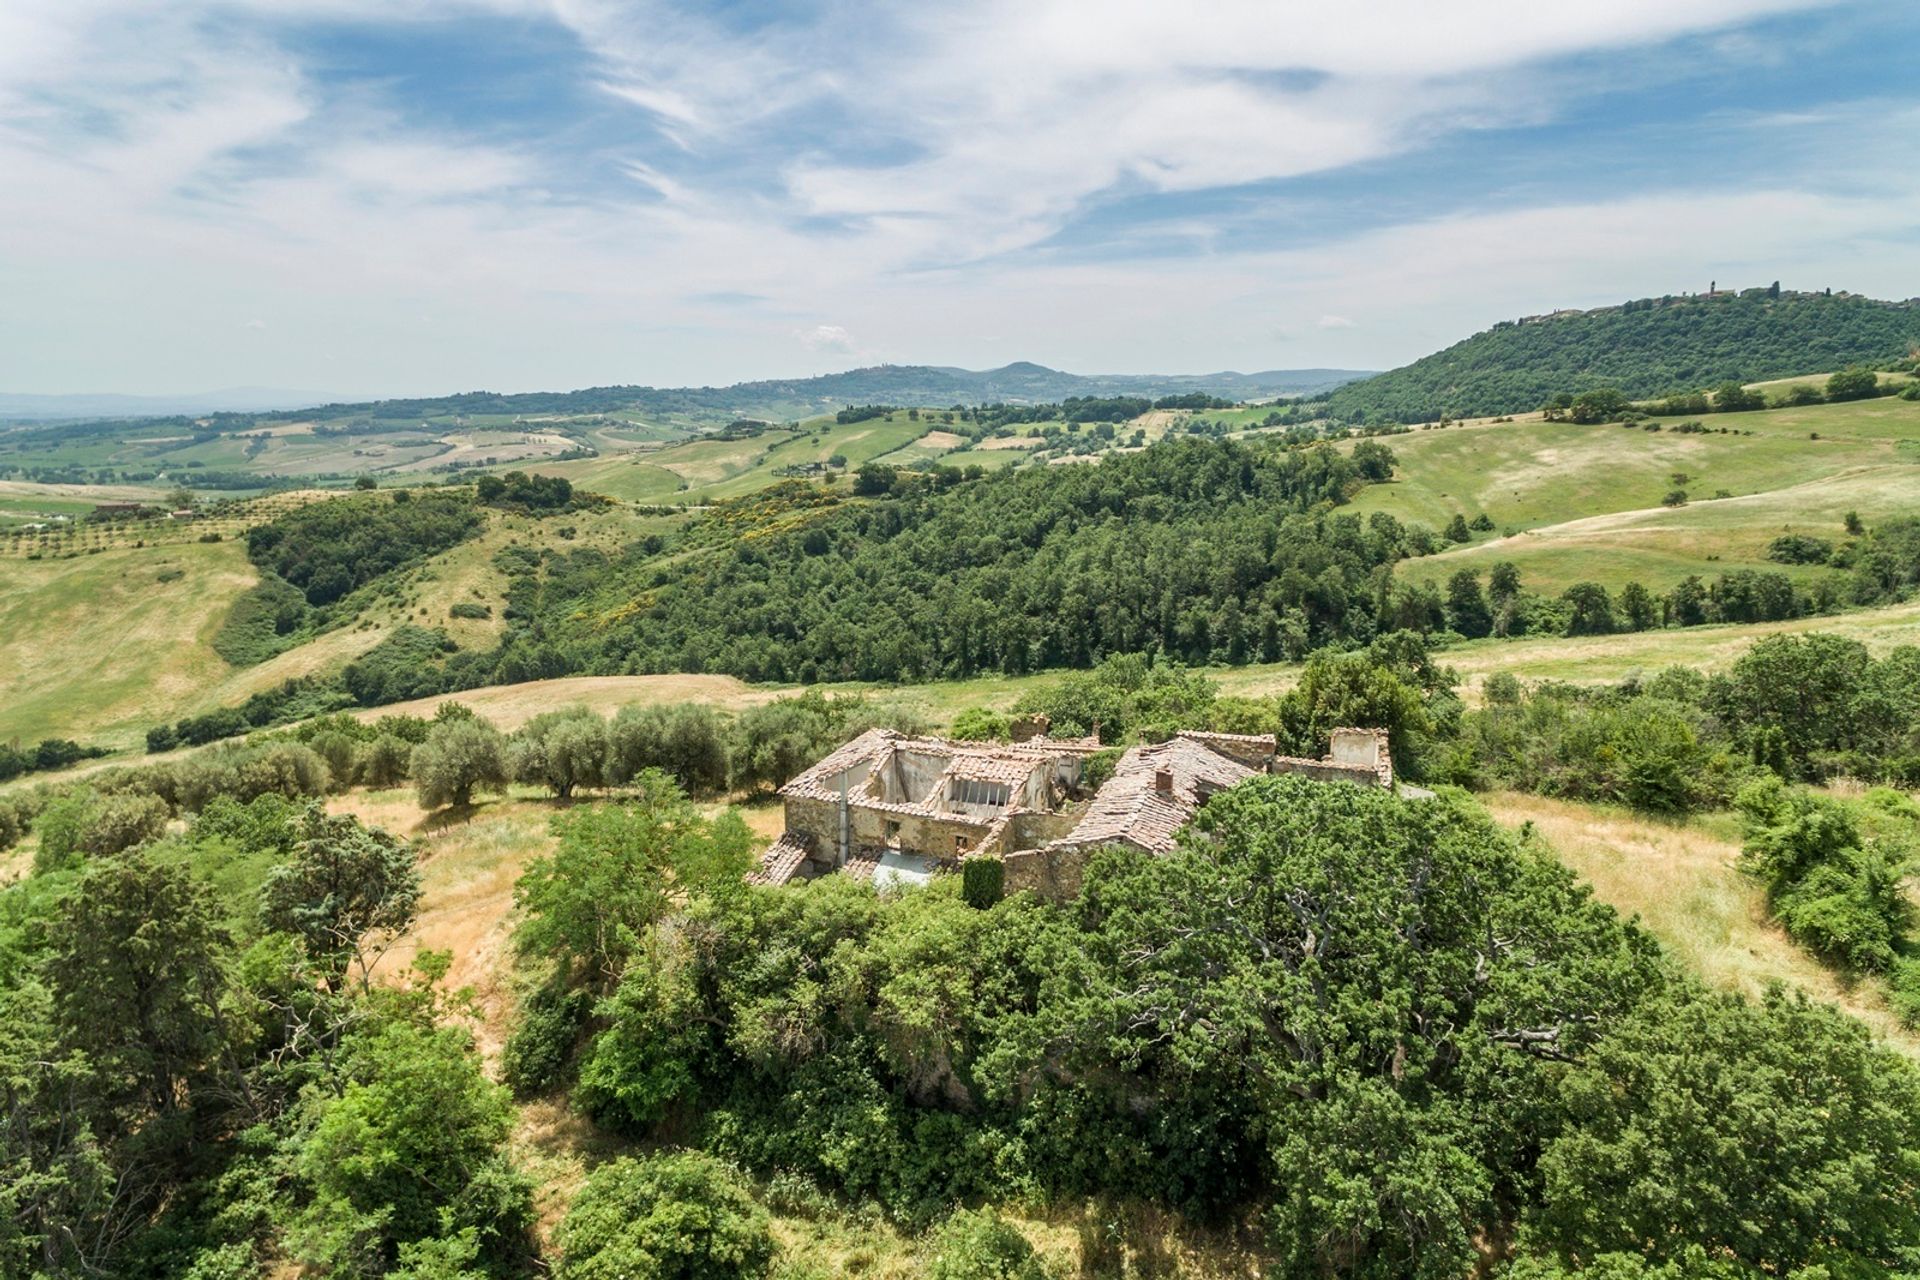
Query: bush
1903, 990
983, 881
1799, 548
540, 1050
1853, 384
980, 724
978, 1245
468, 609
680, 1215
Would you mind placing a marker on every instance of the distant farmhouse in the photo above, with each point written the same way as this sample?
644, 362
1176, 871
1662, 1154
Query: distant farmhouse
893, 809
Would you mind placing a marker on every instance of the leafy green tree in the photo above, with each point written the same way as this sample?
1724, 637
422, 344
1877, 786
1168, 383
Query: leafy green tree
1467, 609
137, 977
1353, 689
1732, 1096
679, 1216
773, 741
1687, 602
411, 1149
562, 751
1457, 530
1503, 582
348, 892
1591, 610
82, 823
617, 868
385, 761
1853, 384
1373, 461
686, 739
59, 1214
1732, 397
1602, 404
1639, 608
458, 756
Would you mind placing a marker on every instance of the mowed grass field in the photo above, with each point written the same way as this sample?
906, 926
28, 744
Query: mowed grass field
703, 470
1586, 503
119, 638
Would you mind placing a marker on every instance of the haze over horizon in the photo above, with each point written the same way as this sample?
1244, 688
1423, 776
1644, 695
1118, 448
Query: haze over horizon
400, 199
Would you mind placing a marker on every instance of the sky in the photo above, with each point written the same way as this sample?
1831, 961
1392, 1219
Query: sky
414, 197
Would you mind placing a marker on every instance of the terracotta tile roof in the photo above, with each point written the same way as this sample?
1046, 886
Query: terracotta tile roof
782, 860
1129, 809
865, 749
992, 769
861, 864
993, 762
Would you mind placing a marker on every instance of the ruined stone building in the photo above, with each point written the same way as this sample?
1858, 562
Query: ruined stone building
898, 809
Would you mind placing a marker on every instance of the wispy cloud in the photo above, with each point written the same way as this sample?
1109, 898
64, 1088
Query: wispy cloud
703, 182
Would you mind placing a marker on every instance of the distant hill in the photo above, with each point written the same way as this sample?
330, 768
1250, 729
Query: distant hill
905, 385
908, 386
1644, 348
44, 408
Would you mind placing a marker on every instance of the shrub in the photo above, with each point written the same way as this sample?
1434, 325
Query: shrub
679, 1215
540, 1050
983, 881
979, 1245
469, 609
980, 724
1799, 548
1853, 384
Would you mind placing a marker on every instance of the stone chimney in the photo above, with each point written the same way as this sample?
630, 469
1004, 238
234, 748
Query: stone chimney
1163, 781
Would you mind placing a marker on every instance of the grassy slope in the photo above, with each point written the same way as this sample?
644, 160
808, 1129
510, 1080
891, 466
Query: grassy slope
701, 470
100, 641
1681, 880
1586, 501
97, 648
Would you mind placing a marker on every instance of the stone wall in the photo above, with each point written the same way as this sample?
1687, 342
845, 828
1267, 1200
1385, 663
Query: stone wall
1328, 771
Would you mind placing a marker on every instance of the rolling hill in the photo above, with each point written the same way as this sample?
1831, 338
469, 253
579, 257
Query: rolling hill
1647, 347
906, 385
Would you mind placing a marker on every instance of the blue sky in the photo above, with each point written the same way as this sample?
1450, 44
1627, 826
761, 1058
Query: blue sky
420, 196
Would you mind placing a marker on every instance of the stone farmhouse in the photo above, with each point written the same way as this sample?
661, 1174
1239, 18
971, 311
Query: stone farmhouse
892, 808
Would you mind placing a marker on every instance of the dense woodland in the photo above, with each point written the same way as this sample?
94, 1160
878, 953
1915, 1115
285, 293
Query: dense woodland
1642, 349
1191, 548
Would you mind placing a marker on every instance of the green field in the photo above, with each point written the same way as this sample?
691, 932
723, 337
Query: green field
702, 470
123, 637
1585, 503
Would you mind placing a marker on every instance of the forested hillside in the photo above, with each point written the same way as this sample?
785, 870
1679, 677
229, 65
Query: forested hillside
1642, 348
1193, 548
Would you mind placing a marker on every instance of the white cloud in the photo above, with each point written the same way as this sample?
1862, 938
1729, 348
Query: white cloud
140, 216
826, 337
